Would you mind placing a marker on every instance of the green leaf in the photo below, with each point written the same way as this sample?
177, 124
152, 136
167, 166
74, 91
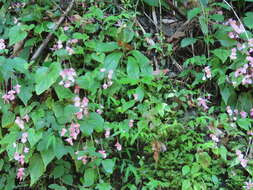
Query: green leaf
57, 187
108, 165
7, 119
103, 186
67, 179
80, 36
204, 159
132, 68
140, 93
102, 47
203, 25
193, 12
16, 34
47, 156
99, 57
188, 41
60, 149
244, 123
248, 20
58, 171
223, 152
46, 76
112, 60
34, 137
186, 170
222, 54
89, 177
126, 34
144, 63
93, 122
186, 185
25, 93
88, 82
63, 93
152, 3
36, 168
204, 2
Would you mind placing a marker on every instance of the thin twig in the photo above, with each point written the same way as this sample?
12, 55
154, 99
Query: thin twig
50, 35
176, 9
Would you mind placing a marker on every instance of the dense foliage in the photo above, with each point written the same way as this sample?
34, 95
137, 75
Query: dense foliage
124, 96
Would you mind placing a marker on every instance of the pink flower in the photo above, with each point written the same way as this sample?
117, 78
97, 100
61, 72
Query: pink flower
11, 95
17, 88
251, 112
83, 158
24, 138
238, 29
20, 174
16, 156
102, 70
103, 153
65, 28
63, 131
131, 123
5, 97
107, 133
202, 102
70, 50
214, 138
68, 77
26, 150
2, 44
118, 146
207, 71
85, 102
243, 114
26, 118
79, 115
233, 54
229, 111
244, 162
21, 159
105, 86
77, 89
77, 102
249, 185
135, 97
20, 123
99, 111
70, 141
74, 130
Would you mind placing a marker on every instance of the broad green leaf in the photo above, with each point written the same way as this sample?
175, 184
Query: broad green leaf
88, 82
193, 12
203, 25
204, 2
244, 123
103, 186
25, 94
132, 68
223, 152
46, 76
186, 185
102, 47
99, 57
60, 149
67, 179
36, 168
204, 159
7, 119
126, 34
108, 165
152, 3
63, 93
188, 41
112, 60
140, 93
34, 136
58, 171
248, 20
222, 54
144, 63
186, 170
47, 156
80, 36
57, 187
93, 122
16, 34
89, 177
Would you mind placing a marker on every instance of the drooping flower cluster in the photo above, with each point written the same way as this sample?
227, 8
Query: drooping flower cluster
2, 44
207, 73
74, 131
118, 146
68, 77
10, 95
234, 114
202, 102
21, 122
240, 156
108, 82
69, 45
82, 105
20, 174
